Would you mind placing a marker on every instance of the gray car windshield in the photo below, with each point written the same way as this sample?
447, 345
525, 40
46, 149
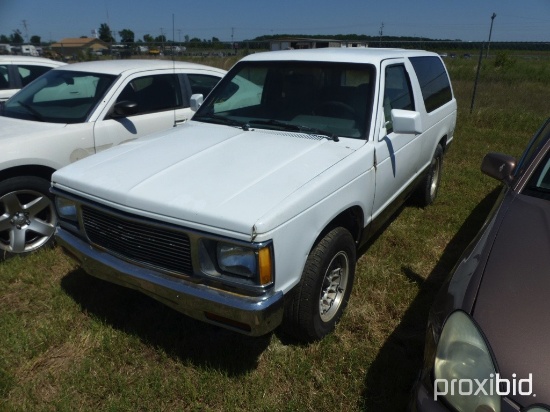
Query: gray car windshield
59, 96
331, 99
538, 184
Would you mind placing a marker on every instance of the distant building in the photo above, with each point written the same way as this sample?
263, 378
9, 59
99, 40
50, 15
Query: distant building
307, 43
71, 46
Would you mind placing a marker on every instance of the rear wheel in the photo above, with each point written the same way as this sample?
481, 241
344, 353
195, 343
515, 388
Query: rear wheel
27, 215
427, 191
317, 303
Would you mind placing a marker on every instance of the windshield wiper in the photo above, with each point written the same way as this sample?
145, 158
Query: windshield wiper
296, 128
216, 118
32, 111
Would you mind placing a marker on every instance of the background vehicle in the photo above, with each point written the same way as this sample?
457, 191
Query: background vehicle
75, 111
18, 71
293, 161
489, 320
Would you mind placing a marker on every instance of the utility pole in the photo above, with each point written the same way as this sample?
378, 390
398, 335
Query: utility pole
381, 33
26, 30
490, 32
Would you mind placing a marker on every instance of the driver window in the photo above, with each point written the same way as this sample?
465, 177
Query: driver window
397, 92
153, 93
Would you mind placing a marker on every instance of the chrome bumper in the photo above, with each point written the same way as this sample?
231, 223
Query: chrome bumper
254, 316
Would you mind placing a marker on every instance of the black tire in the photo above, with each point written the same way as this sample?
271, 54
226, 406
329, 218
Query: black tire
27, 215
428, 188
315, 306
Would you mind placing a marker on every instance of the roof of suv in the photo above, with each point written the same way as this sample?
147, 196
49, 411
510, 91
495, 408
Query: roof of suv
334, 54
117, 67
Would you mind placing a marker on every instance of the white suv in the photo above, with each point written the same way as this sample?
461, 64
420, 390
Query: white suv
250, 215
74, 111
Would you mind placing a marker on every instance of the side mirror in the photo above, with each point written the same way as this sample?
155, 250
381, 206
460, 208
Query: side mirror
196, 101
125, 108
499, 166
406, 121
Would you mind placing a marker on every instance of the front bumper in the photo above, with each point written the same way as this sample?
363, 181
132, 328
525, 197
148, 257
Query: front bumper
254, 316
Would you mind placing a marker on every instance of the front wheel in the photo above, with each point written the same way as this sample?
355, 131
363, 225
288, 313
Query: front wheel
27, 215
315, 306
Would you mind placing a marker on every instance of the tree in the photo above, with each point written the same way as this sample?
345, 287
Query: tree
105, 33
160, 39
4, 39
126, 36
36, 40
16, 37
147, 38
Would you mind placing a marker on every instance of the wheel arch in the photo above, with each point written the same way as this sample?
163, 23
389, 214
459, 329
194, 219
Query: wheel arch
351, 219
43, 172
443, 143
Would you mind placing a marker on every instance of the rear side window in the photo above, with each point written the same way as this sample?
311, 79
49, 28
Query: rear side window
28, 73
4, 78
434, 82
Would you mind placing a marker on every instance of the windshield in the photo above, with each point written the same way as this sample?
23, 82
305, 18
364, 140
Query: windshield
59, 96
533, 148
323, 98
539, 182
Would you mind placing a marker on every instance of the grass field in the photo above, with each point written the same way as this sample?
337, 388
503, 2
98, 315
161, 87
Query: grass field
70, 342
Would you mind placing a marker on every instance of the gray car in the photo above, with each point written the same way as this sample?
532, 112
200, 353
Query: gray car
489, 328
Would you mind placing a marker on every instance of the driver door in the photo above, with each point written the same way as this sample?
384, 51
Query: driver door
160, 106
397, 154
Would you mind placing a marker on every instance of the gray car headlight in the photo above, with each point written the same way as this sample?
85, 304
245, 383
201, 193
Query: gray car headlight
464, 370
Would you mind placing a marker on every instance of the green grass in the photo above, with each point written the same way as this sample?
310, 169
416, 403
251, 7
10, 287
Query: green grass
70, 342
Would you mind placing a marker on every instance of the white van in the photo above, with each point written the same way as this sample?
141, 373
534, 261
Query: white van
29, 50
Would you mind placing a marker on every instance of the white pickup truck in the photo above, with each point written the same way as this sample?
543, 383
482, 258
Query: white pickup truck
250, 215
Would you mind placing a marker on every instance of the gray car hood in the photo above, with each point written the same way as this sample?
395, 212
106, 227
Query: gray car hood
512, 307
220, 176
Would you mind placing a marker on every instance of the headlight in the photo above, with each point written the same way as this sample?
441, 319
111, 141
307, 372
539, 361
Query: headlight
66, 208
238, 260
246, 263
463, 363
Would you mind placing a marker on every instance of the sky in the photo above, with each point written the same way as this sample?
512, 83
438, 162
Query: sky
237, 20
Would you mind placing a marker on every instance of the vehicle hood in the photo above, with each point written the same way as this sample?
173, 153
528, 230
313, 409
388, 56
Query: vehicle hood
219, 176
512, 303
16, 128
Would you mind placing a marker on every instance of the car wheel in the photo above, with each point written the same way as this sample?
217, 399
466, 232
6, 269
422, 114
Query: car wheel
427, 191
27, 215
315, 306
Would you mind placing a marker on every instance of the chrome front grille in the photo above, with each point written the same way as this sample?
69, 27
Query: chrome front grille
139, 240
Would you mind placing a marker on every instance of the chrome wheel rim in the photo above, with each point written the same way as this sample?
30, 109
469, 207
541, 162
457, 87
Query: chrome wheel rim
334, 286
27, 221
435, 176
